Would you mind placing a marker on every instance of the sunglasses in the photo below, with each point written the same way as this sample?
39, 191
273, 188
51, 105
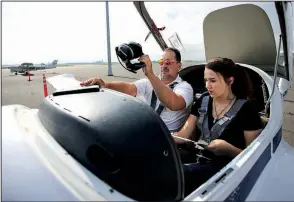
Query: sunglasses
167, 62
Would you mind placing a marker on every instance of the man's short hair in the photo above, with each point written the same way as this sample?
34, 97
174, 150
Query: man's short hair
176, 51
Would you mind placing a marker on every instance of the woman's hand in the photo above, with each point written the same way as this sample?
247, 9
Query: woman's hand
222, 148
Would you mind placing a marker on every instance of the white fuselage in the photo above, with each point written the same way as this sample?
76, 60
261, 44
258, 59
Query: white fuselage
36, 168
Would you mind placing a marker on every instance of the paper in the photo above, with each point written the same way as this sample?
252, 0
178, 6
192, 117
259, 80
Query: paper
64, 82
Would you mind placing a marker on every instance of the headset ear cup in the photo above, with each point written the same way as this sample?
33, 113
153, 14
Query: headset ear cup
128, 52
137, 49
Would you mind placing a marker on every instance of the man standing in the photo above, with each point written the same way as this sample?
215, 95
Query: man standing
168, 94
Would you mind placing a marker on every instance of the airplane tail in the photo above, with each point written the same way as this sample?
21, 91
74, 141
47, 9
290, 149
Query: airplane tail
52, 65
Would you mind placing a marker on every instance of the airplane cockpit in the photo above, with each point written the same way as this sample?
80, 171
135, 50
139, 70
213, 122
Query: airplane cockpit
235, 35
27, 65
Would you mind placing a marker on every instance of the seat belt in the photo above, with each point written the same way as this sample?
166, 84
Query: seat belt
154, 99
202, 115
218, 128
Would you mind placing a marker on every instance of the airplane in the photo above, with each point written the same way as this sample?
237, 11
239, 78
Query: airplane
116, 148
26, 67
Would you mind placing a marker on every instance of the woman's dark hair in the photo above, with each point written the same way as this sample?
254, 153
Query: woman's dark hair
177, 53
242, 86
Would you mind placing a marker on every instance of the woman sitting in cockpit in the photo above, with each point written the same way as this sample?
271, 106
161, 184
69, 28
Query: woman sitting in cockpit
224, 119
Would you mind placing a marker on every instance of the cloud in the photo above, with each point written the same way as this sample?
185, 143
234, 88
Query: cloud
70, 31
43, 31
76, 31
187, 20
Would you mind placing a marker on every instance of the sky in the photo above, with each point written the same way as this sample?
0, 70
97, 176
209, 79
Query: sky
40, 32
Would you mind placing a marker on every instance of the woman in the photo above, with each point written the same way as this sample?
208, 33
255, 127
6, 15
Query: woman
226, 83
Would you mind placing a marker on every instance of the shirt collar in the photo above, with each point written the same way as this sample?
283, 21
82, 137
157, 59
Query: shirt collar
178, 79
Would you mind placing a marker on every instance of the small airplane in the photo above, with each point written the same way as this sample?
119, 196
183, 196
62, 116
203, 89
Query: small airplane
26, 67
96, 144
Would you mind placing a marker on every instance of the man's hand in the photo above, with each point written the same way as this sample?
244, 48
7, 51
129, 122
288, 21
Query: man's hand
93, 81
148, 65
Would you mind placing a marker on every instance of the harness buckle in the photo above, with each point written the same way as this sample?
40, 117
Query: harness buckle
202, 110
228, 116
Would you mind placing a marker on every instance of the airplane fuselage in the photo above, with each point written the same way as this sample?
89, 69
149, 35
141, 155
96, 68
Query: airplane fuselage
26, 67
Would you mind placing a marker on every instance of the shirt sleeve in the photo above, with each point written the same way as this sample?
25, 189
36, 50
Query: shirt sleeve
250, 117
186, 91
196, 106
141, 86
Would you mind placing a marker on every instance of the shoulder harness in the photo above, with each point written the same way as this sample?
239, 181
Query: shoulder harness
154, 99
218, 128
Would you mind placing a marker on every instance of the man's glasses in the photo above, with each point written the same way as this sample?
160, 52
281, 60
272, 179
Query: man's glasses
167, 62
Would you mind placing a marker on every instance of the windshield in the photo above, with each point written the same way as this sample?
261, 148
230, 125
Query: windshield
186, 20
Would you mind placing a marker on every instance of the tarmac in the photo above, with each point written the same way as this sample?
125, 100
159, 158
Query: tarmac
16, 89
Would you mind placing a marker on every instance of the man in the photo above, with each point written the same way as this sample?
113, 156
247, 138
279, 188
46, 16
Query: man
173, 105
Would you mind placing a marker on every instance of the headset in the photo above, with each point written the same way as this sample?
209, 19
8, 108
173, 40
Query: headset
127, 52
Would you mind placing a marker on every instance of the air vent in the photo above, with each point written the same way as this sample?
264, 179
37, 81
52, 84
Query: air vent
89, 89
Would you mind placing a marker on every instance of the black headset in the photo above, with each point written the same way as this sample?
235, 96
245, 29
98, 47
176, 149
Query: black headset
127, 52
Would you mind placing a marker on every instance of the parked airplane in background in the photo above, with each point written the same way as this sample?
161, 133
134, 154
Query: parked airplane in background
26, 67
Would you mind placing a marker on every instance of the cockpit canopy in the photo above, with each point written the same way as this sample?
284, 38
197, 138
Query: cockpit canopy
242, 32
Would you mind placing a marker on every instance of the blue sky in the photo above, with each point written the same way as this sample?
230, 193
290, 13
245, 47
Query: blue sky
40, 32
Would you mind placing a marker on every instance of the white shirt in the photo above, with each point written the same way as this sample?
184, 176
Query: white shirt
174, 120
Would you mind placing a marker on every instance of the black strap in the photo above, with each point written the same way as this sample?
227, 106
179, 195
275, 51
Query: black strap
159, 109
201, 123
217, 129
222, 123
154, 99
